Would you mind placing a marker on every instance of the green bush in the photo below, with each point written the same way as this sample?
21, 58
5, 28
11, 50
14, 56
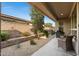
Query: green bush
32, 42
4, 36
52, 32
26, 34
46, 33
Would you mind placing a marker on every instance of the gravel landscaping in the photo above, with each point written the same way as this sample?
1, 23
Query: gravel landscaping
24, 48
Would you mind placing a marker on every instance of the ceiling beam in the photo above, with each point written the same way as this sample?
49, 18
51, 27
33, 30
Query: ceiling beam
74, 4
43, 8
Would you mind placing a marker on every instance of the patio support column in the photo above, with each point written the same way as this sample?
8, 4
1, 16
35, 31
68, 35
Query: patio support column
57, 25
71, 25
78, 28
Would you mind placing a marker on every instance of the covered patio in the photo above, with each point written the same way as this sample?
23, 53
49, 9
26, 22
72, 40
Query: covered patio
66, 15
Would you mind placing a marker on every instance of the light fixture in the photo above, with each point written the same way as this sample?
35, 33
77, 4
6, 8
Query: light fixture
61, 14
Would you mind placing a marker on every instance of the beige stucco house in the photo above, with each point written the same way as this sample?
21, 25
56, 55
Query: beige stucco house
14, 23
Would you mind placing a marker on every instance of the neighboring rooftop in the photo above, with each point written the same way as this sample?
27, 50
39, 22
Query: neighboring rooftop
12, 18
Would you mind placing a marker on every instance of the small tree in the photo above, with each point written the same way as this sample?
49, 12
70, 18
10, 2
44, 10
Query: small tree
37, 21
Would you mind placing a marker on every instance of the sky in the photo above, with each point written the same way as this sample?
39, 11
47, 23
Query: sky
20, 10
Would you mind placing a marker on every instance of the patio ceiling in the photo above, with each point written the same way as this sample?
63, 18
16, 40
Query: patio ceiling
54, 10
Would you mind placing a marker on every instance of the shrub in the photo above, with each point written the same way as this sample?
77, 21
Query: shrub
32, 42
4, 36
26, 34
52, 32
46, 33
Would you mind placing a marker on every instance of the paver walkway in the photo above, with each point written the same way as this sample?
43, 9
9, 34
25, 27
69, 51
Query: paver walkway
51, 49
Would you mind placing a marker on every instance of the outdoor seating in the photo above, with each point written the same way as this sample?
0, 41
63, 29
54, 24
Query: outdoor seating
65, 43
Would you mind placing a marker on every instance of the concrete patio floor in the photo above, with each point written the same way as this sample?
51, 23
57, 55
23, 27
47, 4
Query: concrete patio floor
52, 49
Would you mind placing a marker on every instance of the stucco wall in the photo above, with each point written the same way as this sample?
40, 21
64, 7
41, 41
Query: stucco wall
22, 27
78, 26
66, 25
